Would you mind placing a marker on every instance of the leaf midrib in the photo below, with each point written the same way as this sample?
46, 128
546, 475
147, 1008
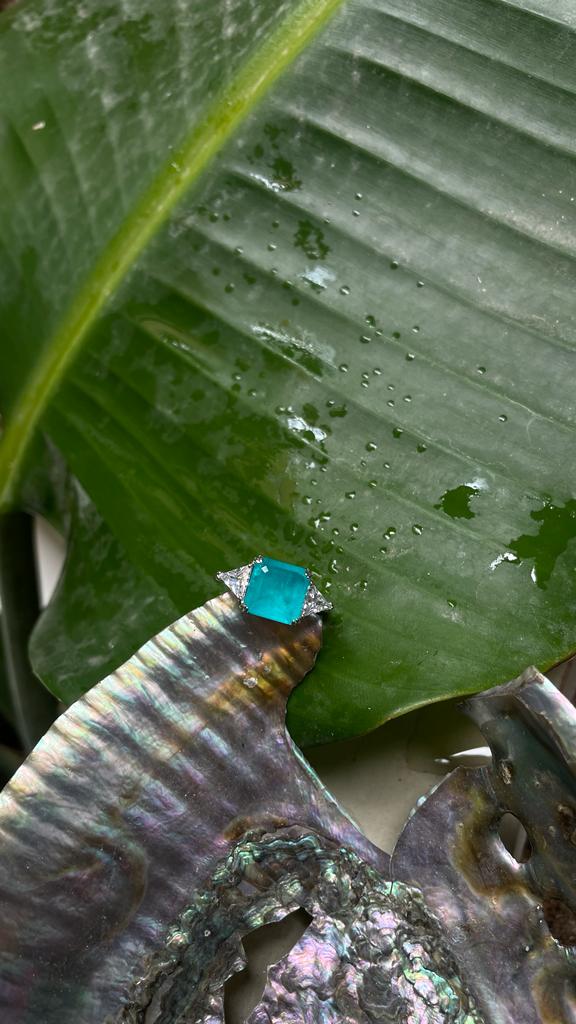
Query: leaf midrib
248, 86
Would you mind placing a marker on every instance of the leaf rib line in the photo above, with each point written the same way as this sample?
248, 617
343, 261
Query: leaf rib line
452, 38
457, 454
124, 426
524, 10
398, 494
91, 441
490, 312
435, 88
407, 168
202, 145
483, 388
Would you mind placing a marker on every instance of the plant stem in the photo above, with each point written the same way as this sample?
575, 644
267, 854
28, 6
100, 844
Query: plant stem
34, 707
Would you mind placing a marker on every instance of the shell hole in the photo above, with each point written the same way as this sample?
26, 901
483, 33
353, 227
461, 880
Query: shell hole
514, 837
263, 947
561, 921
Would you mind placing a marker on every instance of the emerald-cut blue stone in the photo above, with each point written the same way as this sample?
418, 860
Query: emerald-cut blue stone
276, 590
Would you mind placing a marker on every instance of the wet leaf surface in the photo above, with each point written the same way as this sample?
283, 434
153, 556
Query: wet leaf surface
307, 290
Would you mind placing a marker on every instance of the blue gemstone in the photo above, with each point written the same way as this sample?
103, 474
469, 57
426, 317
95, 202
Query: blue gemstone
276, 590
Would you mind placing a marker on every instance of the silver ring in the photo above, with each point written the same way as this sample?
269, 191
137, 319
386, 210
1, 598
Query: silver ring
275, 590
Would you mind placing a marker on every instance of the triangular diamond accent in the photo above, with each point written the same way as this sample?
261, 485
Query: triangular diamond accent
315, 602
236, 580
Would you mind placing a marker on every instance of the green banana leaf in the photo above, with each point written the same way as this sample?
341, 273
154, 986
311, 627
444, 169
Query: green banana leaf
297, 278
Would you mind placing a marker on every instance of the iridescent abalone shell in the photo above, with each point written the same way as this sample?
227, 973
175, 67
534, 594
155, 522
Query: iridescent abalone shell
497, 911
167, 814
125, 810
373, 952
